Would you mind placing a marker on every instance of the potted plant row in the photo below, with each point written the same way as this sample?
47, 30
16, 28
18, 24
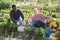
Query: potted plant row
29, 32
34, 33
8, 27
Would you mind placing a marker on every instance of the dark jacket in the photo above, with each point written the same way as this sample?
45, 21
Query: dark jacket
14, 16
38, 24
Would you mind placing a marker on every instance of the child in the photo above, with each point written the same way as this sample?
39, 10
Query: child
30, 19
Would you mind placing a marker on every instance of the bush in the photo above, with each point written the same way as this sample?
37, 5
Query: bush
58, 22
12, 27
47, 13
2, 26
34, 31
5, 4
53, 30
5, 10
29, 30
58, 28
8, 26
2, 19
27, 11
57, 8
54, 15
39, 32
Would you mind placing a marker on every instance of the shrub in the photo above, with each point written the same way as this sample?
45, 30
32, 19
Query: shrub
53, 30
34, 31
3, 26
47, 13
5, 10
8, 26
29, 30
54, 15
2, 19
5, 4
39, 32
12, 27
57, 8
58, 22
58, 28
27, 11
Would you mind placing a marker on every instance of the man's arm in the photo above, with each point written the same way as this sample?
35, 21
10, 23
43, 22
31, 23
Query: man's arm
21, 14
11, 17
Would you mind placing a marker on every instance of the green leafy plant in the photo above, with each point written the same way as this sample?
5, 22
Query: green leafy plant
29, 30
39, 32
5, 11
57, 8
5, 4
54, 15
58, 28
3, 25
53, 30
12, 27
58, 22
4, 18
8, 26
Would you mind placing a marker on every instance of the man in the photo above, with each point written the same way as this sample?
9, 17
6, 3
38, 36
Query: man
15, 15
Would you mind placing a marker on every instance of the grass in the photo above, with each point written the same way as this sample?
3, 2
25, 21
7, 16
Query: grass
54, 36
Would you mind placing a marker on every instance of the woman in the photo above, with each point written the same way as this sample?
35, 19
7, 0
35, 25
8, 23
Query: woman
38, 19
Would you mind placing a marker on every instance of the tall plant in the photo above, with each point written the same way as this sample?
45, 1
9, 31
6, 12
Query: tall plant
5, 4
